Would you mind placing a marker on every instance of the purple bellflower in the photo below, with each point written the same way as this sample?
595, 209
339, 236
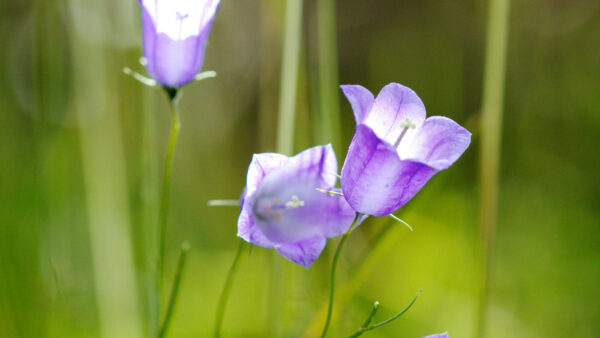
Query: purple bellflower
282, 208
439, 335
395, 150
174, 38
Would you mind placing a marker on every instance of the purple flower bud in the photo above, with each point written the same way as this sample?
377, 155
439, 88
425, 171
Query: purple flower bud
174, 37
439, 335
395, 150
283, 209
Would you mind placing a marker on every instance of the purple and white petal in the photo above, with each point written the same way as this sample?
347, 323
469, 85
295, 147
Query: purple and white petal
438, 335
305, 252
261, 165
395, 107
438, 143
321, 160
249, 231
180, 19
174, 38
374, 179
361, 100
287, 207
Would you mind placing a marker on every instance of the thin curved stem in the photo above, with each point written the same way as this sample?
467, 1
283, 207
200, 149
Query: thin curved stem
336, 257
227, 289
364, 328
174, 95
185, 248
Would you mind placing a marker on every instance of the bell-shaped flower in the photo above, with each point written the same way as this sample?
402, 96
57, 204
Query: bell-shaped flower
174, 36
282, 207
395, 150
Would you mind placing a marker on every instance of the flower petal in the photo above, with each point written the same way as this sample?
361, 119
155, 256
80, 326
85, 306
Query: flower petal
319, 159
174, 38
392, 107
438, 335
287, 206
305, 252
260, 166
438, 143
374, 179
361, 100
180, 19
249, 231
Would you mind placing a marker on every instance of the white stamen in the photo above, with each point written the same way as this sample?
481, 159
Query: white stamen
294, 203
406, 124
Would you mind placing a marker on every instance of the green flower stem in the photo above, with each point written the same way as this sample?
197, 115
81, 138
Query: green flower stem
174, 96
369, 319
364, 328
491, 133
185, 248
227, 289
336, 257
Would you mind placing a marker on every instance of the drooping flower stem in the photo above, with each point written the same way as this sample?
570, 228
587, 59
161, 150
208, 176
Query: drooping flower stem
185, 248
491, 132
174, 96
227, 289
336, 257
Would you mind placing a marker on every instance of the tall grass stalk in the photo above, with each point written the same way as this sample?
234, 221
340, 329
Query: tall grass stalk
289, 76
149, 202
491, 133
328, 122
285, 142
108, 211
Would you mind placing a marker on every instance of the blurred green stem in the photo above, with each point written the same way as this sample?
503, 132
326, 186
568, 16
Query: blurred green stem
174, 96
289, 76
285, 139
185, 248
227, 289
336, 257
328, 122
491, 132
148, 208
104, 174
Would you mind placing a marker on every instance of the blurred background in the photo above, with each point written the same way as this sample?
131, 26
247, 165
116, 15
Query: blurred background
82, 150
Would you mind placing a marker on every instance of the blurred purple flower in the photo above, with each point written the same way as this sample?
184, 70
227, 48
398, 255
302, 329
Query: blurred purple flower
439, 335
395, 150
174, 37
282, 209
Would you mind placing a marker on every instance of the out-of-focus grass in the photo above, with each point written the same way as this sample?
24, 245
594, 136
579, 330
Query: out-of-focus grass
548, 240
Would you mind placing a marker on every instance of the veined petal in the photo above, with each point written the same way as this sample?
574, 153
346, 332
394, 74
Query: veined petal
249, 231
321, 160
260, 166
374, 179
305, 252
394, 106
438, 143
361, 100
288, 208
